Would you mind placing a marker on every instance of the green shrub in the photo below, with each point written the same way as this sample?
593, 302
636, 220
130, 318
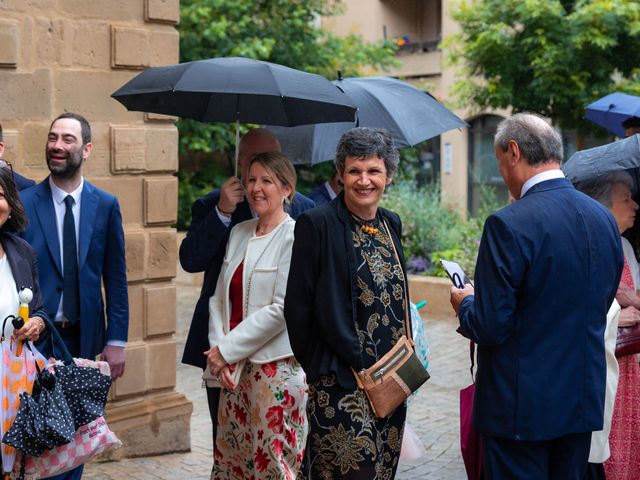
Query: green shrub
431, 231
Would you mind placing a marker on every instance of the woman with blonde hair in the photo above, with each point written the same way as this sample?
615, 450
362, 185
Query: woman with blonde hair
261, 416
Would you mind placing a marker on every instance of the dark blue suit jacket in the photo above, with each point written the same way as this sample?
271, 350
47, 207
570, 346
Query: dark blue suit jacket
320, 195
202, 250
22, 182
548, 269
101, 261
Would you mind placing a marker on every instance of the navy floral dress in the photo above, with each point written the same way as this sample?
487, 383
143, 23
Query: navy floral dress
346, 440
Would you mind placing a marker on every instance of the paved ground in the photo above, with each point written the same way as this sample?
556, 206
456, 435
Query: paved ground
433, 414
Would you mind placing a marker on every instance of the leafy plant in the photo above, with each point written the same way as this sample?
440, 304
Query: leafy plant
552, 57
431, 231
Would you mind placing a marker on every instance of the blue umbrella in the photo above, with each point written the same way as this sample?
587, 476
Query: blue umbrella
610, 111
411, 116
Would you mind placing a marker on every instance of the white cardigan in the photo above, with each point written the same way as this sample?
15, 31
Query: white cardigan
262, 335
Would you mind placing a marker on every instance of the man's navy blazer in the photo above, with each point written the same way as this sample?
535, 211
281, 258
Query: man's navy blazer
320, 195
101, 261
202, 250
547, 272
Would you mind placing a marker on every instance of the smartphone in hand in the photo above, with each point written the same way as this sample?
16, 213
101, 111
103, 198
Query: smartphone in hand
455, 273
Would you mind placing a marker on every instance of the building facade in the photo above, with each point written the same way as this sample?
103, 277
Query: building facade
70, 55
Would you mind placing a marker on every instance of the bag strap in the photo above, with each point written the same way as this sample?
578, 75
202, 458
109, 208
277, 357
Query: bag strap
55, 340
407, 324
472, 355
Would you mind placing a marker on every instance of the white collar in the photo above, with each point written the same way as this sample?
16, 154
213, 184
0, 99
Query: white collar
541, 177
59, 195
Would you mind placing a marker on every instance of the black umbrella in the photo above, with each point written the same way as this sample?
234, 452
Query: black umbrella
594, 162
411, 115
239, 90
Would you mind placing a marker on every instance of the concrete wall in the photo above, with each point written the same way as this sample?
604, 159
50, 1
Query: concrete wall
70, 55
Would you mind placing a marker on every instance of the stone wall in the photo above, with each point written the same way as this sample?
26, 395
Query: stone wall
70, 55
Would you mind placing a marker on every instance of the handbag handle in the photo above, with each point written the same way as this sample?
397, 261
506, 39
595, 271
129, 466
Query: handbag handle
472, 355
55, 340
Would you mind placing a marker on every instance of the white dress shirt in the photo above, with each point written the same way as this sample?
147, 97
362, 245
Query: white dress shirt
541, 177
60, 208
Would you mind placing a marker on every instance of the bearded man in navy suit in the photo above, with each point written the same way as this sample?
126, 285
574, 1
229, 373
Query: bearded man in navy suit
203, 249
76, 231
547, 272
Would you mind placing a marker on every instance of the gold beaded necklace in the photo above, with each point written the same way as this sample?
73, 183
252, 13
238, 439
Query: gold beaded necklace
365, 225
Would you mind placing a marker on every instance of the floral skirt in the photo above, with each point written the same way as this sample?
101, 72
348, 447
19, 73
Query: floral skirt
262, 424
346, 440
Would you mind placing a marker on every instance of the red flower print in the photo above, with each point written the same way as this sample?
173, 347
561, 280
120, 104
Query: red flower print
240, 414
238, 472
260, 434
288, 400
275, 418
261, 460
247, 437
217, 453
290, 437
276, 446
296, 416
269, 369
256, 376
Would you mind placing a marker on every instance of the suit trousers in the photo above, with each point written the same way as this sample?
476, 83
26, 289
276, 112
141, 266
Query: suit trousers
213, 399
563, 458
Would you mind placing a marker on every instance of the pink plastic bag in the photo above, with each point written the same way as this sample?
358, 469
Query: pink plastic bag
89, 441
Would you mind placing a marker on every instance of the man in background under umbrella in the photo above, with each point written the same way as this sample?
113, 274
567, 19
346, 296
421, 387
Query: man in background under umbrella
631, 126
203, 249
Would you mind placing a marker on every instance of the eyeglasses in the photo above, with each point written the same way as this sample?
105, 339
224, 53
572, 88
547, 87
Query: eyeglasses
5, 164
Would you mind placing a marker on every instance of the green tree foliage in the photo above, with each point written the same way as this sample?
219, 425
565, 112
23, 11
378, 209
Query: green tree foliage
286, 32
548, 56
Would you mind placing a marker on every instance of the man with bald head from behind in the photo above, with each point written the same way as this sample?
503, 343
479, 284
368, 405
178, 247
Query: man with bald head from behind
203, 249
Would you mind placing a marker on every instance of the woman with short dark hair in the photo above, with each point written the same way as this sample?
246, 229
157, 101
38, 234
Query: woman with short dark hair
345, 308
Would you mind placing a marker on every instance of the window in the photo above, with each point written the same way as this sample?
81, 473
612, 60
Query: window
483, 166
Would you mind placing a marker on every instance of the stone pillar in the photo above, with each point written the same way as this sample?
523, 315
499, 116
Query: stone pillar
70, 55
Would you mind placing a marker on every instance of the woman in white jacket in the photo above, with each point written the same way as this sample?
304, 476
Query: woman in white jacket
262, 423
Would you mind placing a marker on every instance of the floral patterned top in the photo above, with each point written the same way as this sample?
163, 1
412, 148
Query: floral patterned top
380, 289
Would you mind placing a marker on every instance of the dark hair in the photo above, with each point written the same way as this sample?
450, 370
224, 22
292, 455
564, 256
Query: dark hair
84, 125
364, 142
278, 164
628, 123
1, 136
18, 218
539, 142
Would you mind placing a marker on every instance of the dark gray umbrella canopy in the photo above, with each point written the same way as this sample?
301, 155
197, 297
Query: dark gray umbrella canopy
411, 116
595, 162
236, 89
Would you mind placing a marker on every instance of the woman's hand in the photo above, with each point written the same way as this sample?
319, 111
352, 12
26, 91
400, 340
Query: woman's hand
31, 330
215, 360
627, 297
629, 316
226, 377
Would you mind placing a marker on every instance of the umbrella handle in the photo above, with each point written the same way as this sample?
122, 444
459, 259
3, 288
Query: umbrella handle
235, 162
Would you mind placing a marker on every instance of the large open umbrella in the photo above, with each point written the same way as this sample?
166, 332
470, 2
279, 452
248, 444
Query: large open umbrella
239, 90
595, 162
610, 111
411, 115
